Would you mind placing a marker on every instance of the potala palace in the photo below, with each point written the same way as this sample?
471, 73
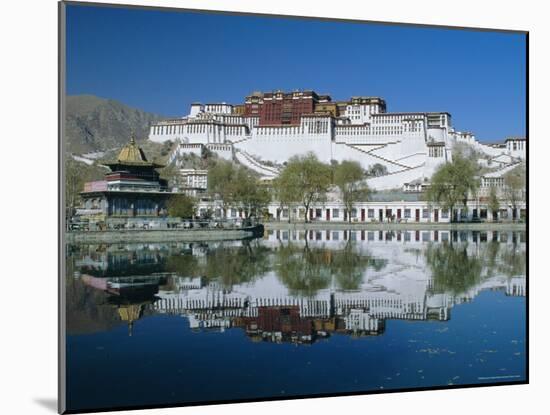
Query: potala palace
271, 127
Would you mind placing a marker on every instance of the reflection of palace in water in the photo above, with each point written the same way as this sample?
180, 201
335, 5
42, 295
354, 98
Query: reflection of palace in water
404, 285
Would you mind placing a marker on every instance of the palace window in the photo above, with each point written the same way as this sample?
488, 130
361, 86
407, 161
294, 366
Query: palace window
425, 213
407, 213
370, 213
335, 213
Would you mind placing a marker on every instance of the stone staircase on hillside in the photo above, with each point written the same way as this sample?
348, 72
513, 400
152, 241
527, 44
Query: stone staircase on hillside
371, 154
240, 140
396, 179
247, 160
410, 155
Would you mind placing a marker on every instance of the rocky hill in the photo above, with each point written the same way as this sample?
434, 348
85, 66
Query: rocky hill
97, 124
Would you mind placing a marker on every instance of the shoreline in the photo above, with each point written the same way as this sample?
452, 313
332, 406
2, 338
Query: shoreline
160, 235
198, 235
509, 226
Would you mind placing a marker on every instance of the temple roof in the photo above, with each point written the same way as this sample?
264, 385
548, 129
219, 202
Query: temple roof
132, 155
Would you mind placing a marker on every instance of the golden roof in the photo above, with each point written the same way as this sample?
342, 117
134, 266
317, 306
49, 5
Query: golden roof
131, 153
130, 313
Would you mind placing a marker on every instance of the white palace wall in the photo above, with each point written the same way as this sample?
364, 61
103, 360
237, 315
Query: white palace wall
396, 180
415, 159
278, 144
345, 152
280, 148
404, 143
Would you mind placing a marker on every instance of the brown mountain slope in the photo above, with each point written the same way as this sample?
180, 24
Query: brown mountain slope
98, 124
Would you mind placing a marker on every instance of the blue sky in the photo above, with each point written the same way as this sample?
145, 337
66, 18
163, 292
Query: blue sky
161, 61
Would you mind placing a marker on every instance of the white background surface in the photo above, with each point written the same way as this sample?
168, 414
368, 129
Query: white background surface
28, 150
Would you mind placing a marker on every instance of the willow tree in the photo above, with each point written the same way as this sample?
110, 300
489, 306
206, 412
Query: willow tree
348, 176
305, 180
493, 203
284, 195
453, 183
514, 187
181, 206
249, 193
221, 182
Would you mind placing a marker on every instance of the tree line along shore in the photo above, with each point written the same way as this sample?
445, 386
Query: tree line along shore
304, 182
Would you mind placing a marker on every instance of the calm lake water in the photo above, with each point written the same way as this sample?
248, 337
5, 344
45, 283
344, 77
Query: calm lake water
293, 313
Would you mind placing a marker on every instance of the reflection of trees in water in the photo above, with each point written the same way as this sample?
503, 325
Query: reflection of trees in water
453, 270
512, 261
306, 270
234, 266
303, 271
227, 264
348, 266
378, 263
184, 264
490, 257
456, 270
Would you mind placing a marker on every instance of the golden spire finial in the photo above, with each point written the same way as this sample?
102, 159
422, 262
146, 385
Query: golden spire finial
132, 153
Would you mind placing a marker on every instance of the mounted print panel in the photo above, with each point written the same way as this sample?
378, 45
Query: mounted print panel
261, 207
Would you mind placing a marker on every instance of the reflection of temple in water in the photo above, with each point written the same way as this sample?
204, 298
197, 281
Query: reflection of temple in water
403, 287
130, 276
118, 259
129, 295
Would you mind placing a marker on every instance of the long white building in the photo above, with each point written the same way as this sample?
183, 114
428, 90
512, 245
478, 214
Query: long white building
270, 128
